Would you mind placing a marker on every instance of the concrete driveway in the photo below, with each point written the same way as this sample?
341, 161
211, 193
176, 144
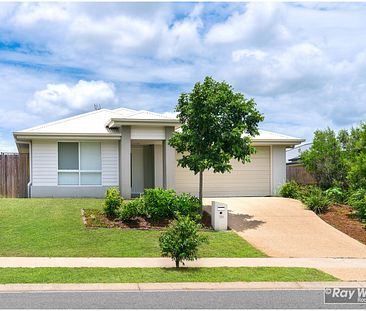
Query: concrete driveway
285, 228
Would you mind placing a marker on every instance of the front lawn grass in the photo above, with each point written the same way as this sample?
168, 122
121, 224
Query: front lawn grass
54, 228
161, 275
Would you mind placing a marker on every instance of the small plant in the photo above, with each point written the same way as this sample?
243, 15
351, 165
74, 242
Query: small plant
132, 209
129, 210
335, 194
291, 190
181, 240
316, 200
112, 203
159, 203
187, 205
357, 200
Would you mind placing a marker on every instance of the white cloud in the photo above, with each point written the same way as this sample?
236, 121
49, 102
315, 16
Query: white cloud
29, 14
183, 38
242, 54
304, 64
61, 99
261, 23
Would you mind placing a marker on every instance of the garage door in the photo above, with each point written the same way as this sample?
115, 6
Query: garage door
250, 179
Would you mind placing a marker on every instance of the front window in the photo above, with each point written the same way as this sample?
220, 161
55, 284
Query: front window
79, 163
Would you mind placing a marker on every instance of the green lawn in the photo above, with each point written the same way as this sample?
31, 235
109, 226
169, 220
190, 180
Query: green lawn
160, 275
54, 228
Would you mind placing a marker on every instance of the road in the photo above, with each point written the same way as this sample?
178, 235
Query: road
267, 299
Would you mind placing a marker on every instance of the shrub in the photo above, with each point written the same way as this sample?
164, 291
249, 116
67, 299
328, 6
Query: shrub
291, 190
357, 200
335, 194
181, 240
186, 205
159, 203
132, 209
112, 203
316, 200
129, 210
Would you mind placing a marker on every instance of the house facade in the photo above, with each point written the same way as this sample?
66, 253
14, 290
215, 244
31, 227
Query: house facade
84, 155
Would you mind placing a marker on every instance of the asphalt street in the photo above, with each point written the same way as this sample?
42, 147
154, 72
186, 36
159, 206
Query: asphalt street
267, 299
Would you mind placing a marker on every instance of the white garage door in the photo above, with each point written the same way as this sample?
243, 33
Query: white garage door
250, 179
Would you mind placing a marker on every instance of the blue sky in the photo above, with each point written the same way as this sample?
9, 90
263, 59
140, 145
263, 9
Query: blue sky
303, 63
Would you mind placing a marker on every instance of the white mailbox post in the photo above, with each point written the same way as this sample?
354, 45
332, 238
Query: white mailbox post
219, 216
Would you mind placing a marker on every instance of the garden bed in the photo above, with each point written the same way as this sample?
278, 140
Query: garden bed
95, 218
342, 218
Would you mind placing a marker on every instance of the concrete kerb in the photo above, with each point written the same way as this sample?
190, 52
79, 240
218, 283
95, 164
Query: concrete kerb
144, 287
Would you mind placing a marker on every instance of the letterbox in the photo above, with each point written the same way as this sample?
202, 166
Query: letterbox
219, 216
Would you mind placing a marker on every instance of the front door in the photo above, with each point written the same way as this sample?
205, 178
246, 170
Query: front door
142, 176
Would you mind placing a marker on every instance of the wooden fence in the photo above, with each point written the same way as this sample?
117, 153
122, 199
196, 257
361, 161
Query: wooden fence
14, 174
298, 173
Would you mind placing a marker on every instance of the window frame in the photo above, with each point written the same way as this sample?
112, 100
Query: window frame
80, 171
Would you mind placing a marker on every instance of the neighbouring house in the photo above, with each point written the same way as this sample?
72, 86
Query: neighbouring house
84, 155
293, 155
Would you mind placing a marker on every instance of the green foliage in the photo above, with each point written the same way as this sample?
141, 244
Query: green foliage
214, 119
181, 240
132, 209
354, 143
159, 203
336, 194
315, 199
357, 200
186, 205
112, 203
291, 190
325, 159
166, 204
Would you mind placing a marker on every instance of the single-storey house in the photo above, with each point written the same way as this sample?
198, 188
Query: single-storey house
82, 156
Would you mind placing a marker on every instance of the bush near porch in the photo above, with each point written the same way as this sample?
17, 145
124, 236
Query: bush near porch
155, 208
54, 227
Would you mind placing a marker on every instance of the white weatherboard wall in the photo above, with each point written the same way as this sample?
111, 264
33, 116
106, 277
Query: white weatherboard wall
110, 163
45, 165
278, 167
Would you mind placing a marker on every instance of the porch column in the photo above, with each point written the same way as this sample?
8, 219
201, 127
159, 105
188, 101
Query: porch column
169, 160
125, 162
158, 166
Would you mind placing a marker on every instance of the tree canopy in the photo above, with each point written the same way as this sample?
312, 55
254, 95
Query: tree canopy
217, 125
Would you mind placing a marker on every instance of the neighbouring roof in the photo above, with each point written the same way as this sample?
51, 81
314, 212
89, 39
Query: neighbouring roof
293, 154
102, 122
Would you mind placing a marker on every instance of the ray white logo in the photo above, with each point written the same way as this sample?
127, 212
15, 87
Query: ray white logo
344, 295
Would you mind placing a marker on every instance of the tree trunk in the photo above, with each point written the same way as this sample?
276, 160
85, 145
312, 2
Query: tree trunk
177, 263
201, 191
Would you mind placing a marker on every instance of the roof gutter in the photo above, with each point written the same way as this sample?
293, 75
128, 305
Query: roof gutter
35, 135
117, 122
286, 142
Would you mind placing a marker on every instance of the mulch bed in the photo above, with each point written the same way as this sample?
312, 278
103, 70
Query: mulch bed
94, 218
342, 218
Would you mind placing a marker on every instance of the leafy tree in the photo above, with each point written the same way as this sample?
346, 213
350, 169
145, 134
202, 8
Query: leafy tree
181, 240
325, 159
354, 145
217, 125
